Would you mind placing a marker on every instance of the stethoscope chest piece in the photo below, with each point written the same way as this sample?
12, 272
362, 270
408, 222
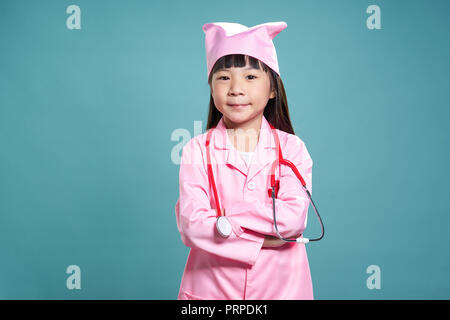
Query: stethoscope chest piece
223, 226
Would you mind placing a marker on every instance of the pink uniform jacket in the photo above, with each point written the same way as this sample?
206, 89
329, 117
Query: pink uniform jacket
238, 267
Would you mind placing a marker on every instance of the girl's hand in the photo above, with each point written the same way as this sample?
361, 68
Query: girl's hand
272, 242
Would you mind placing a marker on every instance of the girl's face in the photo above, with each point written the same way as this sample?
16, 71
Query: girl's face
241, 94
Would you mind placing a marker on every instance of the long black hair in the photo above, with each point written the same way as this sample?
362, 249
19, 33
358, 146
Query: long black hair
276, 111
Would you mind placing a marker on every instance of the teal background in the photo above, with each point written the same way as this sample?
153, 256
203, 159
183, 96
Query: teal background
86, 118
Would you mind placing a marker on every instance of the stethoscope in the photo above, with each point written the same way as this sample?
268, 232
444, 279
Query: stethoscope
223, 225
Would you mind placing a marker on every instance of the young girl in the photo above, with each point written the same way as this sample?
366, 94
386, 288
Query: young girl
247, 95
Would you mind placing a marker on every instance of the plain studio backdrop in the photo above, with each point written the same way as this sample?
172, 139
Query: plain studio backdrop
96, 104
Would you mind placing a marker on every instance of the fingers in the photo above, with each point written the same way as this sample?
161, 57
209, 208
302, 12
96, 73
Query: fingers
273, 242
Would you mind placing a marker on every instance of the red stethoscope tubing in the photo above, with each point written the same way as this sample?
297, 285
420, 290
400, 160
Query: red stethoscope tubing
273, 191
210, 173
273, 183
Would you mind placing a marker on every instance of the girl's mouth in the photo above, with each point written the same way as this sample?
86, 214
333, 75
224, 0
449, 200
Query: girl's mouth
239, 105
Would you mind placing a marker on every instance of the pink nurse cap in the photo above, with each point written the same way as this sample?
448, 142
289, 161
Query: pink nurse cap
223, 38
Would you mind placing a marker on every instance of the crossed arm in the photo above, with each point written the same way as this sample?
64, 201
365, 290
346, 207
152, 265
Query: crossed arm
252, 222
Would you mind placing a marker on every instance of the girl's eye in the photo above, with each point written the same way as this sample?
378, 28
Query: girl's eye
221, 77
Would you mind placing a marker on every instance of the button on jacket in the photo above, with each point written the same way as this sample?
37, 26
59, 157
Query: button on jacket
238, 267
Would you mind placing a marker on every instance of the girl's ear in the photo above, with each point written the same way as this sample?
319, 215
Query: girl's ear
272, 94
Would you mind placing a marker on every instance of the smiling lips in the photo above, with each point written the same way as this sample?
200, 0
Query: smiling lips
238, 105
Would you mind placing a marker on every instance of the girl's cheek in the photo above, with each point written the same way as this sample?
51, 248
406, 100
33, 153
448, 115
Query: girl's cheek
221, 86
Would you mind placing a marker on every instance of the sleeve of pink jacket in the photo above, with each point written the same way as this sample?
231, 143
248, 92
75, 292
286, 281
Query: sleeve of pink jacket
292, 202
196, 219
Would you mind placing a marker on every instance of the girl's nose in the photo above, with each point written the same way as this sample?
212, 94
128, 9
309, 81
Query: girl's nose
235, 88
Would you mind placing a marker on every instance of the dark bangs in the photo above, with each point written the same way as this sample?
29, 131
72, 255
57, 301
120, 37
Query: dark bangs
238, 61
